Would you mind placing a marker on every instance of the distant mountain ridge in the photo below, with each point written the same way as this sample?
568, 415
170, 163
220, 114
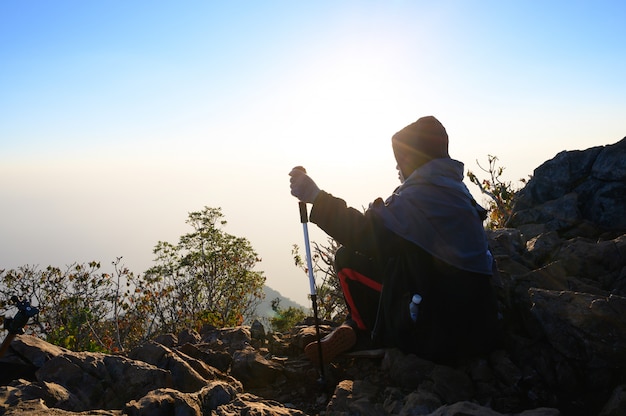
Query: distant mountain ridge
264, 311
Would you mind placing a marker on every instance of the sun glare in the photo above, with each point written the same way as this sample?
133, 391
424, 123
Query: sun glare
349, 97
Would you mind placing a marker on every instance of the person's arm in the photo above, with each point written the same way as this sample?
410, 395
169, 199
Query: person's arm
356, 230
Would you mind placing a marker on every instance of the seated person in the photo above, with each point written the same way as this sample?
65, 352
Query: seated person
427, 238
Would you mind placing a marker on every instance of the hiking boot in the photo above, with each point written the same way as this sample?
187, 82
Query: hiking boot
340, 340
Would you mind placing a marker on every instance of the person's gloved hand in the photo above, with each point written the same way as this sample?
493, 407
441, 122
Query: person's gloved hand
302, 186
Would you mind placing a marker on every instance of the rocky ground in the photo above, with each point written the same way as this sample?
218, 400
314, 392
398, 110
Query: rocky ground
185, 379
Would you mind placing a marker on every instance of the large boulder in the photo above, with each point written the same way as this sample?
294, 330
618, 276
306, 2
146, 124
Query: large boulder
101, 381
582, 326
253, 369
184, 377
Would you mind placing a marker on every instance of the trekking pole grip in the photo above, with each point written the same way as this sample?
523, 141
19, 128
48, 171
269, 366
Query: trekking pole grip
304, 216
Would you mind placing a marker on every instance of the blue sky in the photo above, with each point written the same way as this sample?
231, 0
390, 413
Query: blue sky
118, 118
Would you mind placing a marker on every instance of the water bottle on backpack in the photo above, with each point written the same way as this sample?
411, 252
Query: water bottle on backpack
414, 306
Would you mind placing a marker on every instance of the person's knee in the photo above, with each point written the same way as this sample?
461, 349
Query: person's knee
342, 258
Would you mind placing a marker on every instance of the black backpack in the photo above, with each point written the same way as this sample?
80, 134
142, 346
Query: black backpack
457, 316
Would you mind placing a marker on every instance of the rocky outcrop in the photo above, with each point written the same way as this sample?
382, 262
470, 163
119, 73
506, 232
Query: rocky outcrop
561, 289
577, 193
152, 380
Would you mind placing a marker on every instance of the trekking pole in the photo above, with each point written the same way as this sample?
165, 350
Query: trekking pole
14, 325
304, 219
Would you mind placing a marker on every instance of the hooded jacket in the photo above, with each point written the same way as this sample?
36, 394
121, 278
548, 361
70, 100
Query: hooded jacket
432, 209
426, 238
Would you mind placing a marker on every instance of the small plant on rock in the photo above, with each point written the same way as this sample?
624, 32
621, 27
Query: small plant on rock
500, 192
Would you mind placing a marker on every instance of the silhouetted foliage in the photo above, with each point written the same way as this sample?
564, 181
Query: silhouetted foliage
331, 305
80, 308
205, 279
208, 277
